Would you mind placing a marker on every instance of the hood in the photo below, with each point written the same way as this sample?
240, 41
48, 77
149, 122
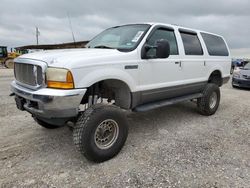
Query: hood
73, 57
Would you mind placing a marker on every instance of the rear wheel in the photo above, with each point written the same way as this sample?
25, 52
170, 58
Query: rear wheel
44, 124
209, 102
100, 132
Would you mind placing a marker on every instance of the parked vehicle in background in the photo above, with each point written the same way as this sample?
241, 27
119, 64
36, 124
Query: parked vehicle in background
238, 63
137, 67
7, 58
3, 54
241, 76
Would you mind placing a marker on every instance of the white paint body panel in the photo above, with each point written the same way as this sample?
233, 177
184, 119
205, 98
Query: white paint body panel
89, 66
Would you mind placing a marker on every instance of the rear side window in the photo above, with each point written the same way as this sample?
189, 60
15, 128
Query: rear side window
191, 43
215, 45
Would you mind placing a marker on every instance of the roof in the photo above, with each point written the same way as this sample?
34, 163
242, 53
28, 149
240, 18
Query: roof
173, 26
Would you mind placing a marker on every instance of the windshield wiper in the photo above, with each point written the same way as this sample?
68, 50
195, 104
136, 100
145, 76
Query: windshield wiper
103, 46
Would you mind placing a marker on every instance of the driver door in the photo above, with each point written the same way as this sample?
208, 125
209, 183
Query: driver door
158, 77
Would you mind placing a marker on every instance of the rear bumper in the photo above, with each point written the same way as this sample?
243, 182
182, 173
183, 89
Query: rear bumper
241, 83
48, 103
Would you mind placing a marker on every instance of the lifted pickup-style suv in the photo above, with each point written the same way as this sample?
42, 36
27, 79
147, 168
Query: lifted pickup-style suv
135, 67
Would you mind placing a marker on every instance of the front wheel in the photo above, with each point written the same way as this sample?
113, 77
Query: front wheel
100, 132
209, 102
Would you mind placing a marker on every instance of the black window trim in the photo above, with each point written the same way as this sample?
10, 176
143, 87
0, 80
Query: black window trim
186, 31
190, 32
167, 28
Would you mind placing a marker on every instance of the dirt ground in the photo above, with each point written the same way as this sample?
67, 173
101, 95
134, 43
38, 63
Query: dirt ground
168, 147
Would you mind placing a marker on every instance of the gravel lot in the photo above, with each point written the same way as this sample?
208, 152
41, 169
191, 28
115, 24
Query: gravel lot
168, 147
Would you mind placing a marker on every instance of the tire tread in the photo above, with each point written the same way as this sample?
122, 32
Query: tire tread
81, 127
203, 102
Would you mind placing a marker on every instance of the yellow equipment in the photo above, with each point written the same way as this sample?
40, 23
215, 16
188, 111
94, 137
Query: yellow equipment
7, 58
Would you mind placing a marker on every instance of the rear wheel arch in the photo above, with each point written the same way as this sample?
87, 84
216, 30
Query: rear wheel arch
216, 78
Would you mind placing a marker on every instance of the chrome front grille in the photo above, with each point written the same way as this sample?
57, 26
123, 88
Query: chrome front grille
28, 74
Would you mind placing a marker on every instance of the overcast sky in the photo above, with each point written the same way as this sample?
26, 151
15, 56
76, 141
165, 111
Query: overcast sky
18, 19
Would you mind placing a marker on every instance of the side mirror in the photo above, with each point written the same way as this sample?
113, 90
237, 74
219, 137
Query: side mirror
162, 49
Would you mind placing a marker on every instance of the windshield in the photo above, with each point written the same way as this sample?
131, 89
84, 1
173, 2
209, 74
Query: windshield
247, 66
125, 37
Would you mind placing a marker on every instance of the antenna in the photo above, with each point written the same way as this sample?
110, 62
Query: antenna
70, 25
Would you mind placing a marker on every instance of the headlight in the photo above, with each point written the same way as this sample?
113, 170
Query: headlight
59, 78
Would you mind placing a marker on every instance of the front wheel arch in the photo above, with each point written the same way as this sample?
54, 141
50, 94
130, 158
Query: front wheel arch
110, 89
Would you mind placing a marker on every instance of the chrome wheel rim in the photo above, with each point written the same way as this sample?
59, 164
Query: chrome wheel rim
213, 100
106, 134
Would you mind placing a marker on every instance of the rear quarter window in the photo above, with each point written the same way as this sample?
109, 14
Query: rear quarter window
215, 45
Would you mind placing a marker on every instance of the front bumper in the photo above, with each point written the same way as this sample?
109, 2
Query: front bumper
48, 103
241, 82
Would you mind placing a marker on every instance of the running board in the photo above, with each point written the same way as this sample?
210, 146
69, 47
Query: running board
158, 104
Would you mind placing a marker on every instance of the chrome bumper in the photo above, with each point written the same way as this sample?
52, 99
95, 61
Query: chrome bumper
49, 103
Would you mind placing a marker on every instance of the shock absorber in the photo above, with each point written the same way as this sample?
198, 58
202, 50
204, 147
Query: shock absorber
90, 98
93, 97
96, 93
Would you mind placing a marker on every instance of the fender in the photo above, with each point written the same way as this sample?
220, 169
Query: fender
106, 73
214, 68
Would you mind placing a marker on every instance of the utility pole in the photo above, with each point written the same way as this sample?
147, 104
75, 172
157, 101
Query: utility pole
37, 34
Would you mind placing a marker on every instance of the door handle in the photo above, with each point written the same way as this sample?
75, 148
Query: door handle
178, 63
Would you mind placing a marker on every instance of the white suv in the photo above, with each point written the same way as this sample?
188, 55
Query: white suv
135, 67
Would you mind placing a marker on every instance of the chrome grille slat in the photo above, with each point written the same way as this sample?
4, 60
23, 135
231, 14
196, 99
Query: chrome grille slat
24, 73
